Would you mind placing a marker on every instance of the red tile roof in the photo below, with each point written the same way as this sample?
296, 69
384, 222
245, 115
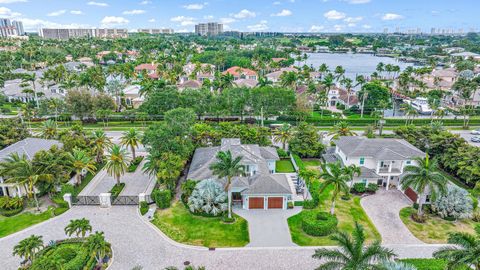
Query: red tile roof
243, 71
146, 67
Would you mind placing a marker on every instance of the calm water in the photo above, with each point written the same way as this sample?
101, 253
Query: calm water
354, 64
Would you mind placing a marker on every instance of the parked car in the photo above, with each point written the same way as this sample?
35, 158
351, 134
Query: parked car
475, 139
476, 132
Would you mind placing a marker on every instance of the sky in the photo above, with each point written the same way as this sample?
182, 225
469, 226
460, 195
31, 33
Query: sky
248, 15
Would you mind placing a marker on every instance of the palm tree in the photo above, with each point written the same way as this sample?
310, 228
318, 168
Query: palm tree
20, 170
351, 171
392, 265
97, 245
78, 227
117, 160
28, 247
227, 167
131, 138
80, 161
289, 79
333, 175
49, 129
100, 142
339, 73
425, 176
348, 83
352, 253
341, 129
283, 135
465, 250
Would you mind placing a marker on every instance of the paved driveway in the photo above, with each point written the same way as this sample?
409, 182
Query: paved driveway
268, 228
383, 208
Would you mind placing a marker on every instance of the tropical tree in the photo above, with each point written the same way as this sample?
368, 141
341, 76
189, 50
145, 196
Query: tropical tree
348, 84
117, 162
97, 246
352, 253
78, 227
422, 177
351, 171
464, 251
333, 175
28, 247
80, 161
341, 129
131, 138
100, 141
283, 135
289, 79
227, 167
49, 129
19, 169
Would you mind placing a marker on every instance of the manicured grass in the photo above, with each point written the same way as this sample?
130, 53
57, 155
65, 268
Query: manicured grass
284, 166
116, 190
435, 230
180, 225
347, 213
427, 264
9, 225
311, 163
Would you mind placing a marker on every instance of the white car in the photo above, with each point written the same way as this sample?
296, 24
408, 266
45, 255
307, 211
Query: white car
476, 132
475, 139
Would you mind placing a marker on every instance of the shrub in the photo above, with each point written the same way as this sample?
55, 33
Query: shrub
309, 204
372, 188
208, 197
59, 210
134, 164
298, 203
9, 213
187, 189
162, 198
7, 203
143, 208
359, 188
116, 189
476, 216
290, 205
456, 204
282, 153
419, 219
318, 223
346, 197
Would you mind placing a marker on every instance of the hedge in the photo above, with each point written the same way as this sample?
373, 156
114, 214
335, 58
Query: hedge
318, 223
162, 198
116, 190
143, 208
10, 212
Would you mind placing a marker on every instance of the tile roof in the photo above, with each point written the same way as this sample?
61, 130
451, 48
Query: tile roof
387, 149
146, 67
28, 147
238, 71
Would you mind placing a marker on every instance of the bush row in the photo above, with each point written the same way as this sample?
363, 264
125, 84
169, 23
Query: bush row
318, 223
162, 198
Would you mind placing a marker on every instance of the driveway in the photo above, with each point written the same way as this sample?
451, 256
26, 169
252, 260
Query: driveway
268, 228
383, 208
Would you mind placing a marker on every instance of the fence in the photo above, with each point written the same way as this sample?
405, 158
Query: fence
125, 200
86, 200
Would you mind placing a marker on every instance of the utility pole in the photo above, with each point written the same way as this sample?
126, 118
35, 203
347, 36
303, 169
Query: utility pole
261, 115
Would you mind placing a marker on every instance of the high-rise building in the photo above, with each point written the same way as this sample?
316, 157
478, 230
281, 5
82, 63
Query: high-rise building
209, 29
5, 22
8, 31
60, 33
156, 31
111, 33
19, 26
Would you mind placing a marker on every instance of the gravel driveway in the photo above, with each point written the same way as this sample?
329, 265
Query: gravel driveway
383, 208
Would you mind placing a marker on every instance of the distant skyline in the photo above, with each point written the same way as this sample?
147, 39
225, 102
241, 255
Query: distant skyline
247, 15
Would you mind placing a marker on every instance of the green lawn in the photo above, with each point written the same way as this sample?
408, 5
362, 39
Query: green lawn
284, 166
311, 163
180, 225
426, 264
435, 230
347, 213
9, 225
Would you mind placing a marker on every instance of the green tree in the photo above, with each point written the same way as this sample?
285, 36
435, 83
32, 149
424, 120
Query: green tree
351, 171
464, 252
28, 247
341, 129
100, 142
79, 103
169, 168
227, 167
131, 138
79, 227
283, 135
352, 253
80, 161
422, 177
333, 175
97, 245
117, 160
377, 93
306, 142
49, 129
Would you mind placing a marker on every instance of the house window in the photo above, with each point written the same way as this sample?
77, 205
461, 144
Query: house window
427, 199
409, 162
362, 161
364, 181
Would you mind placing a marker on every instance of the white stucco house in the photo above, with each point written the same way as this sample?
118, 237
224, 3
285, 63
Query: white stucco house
260, 187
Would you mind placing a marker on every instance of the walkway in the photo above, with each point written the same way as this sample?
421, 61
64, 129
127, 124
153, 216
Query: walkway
268, 228
137, 242
383, 208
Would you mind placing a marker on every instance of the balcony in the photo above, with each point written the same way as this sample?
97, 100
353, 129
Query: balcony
385, 170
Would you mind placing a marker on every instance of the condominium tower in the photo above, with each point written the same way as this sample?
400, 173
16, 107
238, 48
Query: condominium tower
208, 29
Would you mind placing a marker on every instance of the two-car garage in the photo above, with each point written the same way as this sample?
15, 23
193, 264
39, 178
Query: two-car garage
265, 202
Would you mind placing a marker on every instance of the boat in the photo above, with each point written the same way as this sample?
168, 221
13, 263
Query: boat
421, 105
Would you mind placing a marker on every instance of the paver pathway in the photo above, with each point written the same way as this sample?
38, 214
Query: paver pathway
383, 208
137, 242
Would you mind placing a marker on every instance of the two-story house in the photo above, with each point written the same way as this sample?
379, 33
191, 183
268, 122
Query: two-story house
382, 161
260, 187
241, 73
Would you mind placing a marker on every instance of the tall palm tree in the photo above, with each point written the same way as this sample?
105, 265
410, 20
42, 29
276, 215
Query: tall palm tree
227, 167
333, 175
348, 84
341, 129
117, 160
422, 177
351, 171
352, 253
20, 170
465, 250
97, 245
49, 129
79, 227
339, 73
80, 161
100, 142
28, 247
283, 135
131, 138
289, 79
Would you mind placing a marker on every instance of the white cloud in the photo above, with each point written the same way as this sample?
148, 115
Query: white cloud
152, 20
261, 26
12, 1
56, 13
227, 20
146, 2
351, 24
334, 15
317, 28
184, 21
134, 12
76, 12
8, 13
98, 4
353, 19
276, 3
32, 25
357, 1
208, 17
338, 27
391, 17
195, 6
283, 13
109, 21
245, 13
366, 26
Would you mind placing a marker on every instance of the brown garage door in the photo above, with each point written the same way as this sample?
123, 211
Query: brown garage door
255, 203
275, 202
411, 194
